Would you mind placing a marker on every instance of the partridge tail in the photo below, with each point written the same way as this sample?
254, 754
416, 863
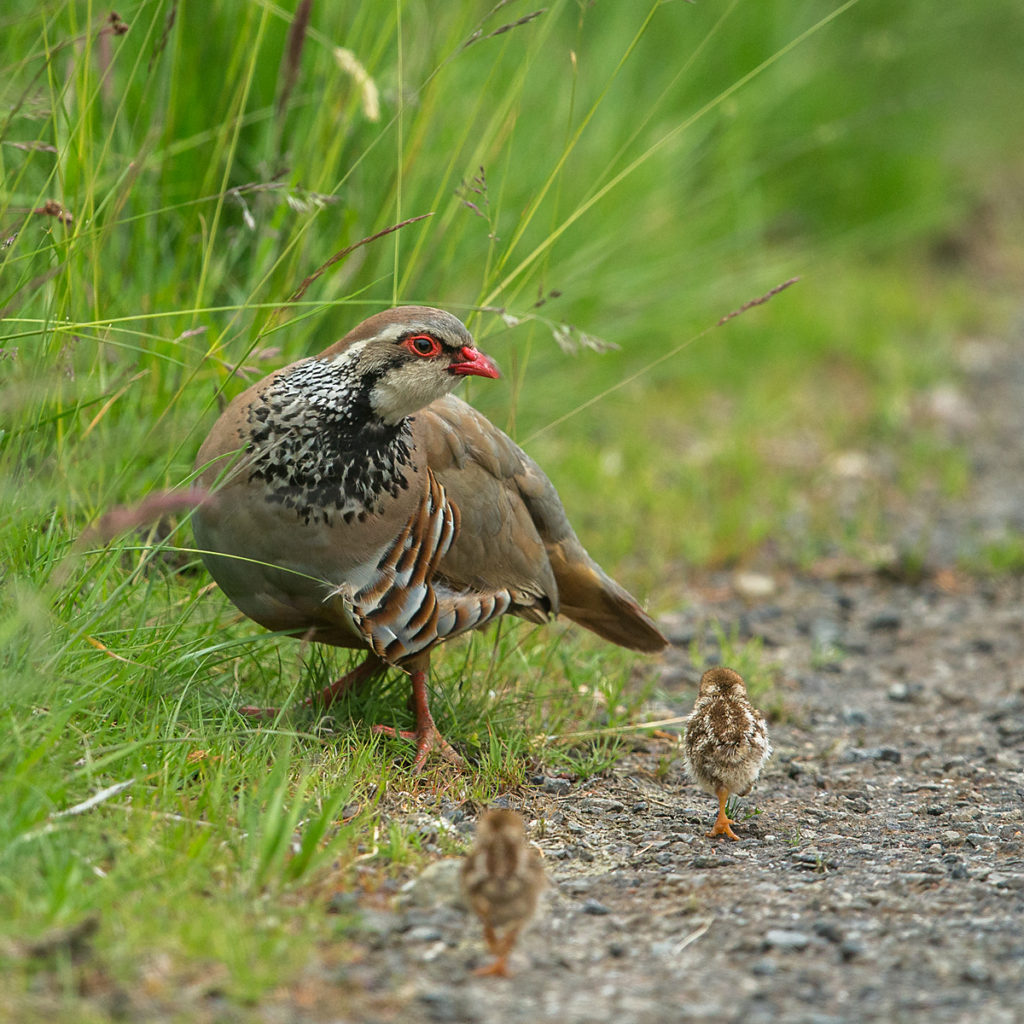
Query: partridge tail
590, 597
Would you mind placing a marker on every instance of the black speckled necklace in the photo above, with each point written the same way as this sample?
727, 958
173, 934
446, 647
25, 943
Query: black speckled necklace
316, 441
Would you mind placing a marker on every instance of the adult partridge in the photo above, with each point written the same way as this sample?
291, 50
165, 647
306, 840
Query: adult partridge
357, 503
502, 879
726, 743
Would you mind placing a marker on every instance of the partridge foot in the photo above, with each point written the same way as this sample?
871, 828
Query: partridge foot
498, 968
500, 947
426, 733
722, 827
723, 821
363, 673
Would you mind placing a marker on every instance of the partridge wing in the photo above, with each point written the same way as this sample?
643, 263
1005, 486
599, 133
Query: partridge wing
515, 533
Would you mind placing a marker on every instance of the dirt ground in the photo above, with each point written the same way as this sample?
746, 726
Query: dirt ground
880, 876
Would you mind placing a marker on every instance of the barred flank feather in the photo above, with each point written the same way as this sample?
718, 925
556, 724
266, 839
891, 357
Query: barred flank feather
402, 613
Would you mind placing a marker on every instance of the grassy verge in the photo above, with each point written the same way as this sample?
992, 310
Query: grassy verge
173, 200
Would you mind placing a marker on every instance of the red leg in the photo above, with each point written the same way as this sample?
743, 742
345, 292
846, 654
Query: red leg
723, 821
425, 734
363, 673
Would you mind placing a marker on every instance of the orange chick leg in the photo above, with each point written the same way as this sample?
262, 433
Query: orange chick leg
363, 673
426, 733
501, 949
723, 821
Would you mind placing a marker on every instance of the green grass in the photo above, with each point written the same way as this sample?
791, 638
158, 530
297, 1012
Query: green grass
646, 170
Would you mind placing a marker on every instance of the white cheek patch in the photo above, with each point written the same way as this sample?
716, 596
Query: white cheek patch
406, 390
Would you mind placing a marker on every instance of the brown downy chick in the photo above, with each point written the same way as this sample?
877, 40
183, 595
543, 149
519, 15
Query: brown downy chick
502, 879
726, 742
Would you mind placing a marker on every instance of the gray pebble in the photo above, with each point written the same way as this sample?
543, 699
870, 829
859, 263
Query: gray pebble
592, 906
786, 941
443, 1006
558, 787
438, 883
854, 754
824, 632
976, 973
887, 619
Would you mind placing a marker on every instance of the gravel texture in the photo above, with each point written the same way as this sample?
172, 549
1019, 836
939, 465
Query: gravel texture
880, 876
883, 878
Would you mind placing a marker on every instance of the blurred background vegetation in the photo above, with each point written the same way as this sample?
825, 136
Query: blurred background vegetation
600, 183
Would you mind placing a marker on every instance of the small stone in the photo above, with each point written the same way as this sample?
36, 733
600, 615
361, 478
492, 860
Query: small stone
438, 883
885, 620
825, 632
952, 838
900, 693
557, 787
851, 948
577, 886
786, 941
976, 973
443, 1006
753, 584
890, 754
617, 950
828, 930
594, 907
764, 968
376, 924
711, 862
423, 933
976, 839
855, 716
1011, 729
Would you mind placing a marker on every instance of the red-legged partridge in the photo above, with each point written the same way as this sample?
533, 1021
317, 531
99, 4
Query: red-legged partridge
357, 503
502, 878
726, 742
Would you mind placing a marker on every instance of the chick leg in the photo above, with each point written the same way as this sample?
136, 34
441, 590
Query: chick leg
500, 947
723, 821
425, 734
363, 673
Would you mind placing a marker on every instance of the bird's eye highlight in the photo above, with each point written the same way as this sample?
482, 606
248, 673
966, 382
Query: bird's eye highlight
423, 345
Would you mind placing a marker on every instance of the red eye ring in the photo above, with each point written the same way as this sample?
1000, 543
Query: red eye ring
423, 345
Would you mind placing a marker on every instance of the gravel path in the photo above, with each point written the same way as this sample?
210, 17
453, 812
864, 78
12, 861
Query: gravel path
882, 877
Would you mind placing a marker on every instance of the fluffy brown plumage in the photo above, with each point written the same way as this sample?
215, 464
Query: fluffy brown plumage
357, 503
726, 743
502, 879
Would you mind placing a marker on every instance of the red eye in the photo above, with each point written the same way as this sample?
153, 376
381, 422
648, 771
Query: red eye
423, 345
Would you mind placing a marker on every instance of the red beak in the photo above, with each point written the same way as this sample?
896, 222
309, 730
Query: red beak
475, 364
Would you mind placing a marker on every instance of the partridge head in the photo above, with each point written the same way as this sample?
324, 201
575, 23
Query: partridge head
726, 743
502, 879
359, 504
